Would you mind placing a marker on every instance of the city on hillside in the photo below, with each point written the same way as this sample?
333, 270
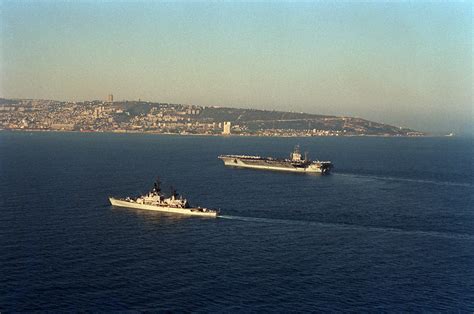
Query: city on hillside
163, 118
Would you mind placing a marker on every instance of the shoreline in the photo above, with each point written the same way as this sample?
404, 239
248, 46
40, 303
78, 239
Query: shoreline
221, 135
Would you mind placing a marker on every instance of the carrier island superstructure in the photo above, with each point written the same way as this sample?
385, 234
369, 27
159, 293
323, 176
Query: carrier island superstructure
294, 164
155, 200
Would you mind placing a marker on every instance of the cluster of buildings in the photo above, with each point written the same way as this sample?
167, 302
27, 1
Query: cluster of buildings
107, 116
298, 133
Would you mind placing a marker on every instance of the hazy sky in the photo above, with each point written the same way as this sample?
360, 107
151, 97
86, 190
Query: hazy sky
403, 63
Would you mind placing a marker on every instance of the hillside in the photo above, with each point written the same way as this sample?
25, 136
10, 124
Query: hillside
184, 119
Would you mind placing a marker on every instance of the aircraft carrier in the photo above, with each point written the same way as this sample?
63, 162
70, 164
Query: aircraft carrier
294, 164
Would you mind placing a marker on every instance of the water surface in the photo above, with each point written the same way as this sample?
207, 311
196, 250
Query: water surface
391, 229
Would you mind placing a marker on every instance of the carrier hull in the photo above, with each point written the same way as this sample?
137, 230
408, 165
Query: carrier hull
182, 211
255, 162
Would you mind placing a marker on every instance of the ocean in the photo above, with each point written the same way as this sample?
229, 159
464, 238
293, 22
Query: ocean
391, 229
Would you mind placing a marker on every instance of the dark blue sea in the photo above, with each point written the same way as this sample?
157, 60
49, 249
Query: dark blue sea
392, 229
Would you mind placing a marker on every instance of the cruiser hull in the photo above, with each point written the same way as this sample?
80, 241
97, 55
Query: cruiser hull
271, 165
182, 211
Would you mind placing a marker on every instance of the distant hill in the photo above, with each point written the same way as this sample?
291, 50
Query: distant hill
245, 115
263, 119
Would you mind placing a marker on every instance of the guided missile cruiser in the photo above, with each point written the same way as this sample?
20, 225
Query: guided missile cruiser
294, 164
155, 200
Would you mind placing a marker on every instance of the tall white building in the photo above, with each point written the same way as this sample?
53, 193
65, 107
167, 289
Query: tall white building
226, 130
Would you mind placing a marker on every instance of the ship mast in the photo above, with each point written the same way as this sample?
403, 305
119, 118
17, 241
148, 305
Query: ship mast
156, 185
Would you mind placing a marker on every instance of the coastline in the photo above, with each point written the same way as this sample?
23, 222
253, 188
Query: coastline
228, 135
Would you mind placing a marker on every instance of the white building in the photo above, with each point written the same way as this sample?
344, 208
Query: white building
226, 130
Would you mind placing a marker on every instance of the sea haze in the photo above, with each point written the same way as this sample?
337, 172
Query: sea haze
392, 229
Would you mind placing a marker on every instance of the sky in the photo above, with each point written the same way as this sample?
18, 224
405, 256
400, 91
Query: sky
403, 63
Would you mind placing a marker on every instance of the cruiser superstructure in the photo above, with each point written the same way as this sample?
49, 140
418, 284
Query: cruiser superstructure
155, 200
294, 164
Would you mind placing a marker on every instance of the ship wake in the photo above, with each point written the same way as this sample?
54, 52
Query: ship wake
386, 178
437, 234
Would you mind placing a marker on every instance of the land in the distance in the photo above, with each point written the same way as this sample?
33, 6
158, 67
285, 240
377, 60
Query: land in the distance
149, 117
